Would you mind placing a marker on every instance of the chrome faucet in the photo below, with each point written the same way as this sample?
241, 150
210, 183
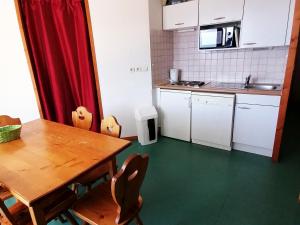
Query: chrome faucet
247, 82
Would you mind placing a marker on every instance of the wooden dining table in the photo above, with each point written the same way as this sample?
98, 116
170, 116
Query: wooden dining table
50, 156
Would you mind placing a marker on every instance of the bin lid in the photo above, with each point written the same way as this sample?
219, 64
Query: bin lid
146, 113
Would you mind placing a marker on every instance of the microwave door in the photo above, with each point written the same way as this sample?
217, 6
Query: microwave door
208, 38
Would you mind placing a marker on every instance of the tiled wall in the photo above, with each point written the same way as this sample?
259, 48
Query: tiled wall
265, 65
161, 55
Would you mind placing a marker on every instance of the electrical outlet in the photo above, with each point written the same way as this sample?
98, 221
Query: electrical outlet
132, 70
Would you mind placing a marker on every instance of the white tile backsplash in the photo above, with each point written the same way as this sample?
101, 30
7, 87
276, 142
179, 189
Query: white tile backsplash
180, 50
161, 55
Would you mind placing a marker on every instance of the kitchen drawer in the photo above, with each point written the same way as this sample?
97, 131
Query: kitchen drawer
266, 100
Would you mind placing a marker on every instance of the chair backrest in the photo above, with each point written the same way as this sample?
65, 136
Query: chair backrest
82, 118
6, 120
111, 127
126, 185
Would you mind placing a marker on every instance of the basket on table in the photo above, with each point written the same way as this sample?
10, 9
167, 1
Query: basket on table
10, 133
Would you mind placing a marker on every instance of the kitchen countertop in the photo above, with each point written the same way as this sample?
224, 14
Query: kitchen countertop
216, 87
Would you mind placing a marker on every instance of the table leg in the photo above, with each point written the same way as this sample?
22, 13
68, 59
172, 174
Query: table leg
37, 216
113, 167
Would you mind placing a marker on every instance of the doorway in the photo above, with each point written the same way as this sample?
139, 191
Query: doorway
58, 42
291, 134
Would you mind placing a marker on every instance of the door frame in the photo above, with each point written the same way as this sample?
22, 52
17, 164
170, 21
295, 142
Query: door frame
22, 32
291, 62
92, 46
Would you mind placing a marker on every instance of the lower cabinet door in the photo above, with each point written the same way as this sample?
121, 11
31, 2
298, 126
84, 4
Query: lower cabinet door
255, 125
175, 113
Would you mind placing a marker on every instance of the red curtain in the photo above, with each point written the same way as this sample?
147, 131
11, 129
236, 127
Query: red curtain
58, 41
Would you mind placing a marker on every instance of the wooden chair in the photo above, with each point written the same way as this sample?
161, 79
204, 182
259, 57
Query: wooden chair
53, 206
110, 127
82, 118
118, 202
4, 193
6, 120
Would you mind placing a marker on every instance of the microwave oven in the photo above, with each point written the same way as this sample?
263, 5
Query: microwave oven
219, 37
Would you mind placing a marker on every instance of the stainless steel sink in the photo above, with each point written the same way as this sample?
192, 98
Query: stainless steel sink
265, 87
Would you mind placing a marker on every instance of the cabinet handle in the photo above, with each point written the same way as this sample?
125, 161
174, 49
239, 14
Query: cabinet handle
178, 24
246, 108
220, 18
250, 43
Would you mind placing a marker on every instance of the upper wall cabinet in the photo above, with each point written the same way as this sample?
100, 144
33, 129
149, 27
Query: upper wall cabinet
290, 23
181, 15
264, 23
220, 11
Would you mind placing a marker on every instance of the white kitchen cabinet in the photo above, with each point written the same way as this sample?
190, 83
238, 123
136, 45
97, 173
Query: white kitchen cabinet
212, 119
290, 23
220, 11
264, 23
181, 15
175, 113
255, 123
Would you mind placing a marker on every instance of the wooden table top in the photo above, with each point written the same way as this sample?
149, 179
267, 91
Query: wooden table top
50, 156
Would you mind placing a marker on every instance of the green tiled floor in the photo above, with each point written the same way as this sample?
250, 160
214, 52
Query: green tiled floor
190, 184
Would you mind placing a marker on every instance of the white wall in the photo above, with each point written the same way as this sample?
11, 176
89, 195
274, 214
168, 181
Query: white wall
16, 91
122, 41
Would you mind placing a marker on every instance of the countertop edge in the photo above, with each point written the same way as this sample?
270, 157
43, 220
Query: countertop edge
220, 90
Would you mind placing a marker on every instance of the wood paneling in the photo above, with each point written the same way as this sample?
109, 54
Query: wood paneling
287, 82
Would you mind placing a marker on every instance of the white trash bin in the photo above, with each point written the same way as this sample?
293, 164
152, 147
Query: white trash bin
146, 123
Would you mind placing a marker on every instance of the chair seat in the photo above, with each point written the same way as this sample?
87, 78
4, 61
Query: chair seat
98, 206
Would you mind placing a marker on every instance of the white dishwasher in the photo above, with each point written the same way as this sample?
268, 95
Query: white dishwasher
212, 119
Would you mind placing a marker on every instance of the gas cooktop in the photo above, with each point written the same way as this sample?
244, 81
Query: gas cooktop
190, 83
